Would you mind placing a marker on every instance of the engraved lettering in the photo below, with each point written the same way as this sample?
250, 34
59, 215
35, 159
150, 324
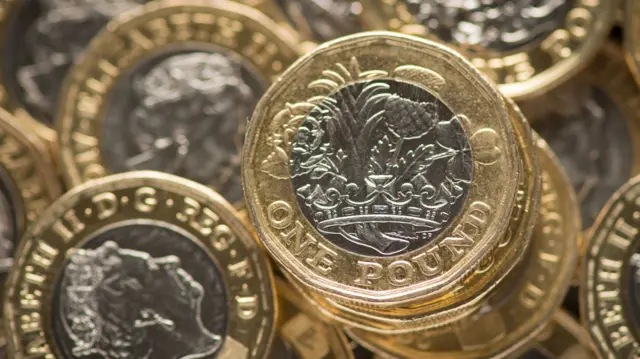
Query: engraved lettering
369, 271
241, 269
106, 203
72, 227
280, 214
323, 260
429, 263
400, 273
222, 237
145, 199
247, 307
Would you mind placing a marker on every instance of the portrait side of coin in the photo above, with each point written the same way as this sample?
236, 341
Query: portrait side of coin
521, 306
527, 48
170, 87
28, 183
610, 289
42, 40
302, 334
140, 265
471, 293
593, 124
370, 169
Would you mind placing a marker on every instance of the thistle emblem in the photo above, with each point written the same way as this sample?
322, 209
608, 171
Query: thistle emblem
381, 166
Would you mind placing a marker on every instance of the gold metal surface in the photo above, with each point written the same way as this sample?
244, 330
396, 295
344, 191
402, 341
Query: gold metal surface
130, 39
323, 266
149, 197
609, 286
532, 70
26, 159
521, 306
310, 337
471, 293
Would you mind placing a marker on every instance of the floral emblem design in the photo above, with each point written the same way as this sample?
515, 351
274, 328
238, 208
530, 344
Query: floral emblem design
381, 166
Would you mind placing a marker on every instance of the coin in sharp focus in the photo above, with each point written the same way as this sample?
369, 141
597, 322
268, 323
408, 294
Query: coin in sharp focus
302, 334
610, 287
42, 39
380, 169
593, 124
28, 183
522, 304
470, 294
140, 265
527, 48
169, 87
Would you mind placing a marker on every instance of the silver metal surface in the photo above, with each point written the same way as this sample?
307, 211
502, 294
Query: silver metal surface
497, 25
183, 112
381, 167
140, 291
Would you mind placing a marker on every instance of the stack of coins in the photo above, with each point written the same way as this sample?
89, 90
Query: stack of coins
319, 179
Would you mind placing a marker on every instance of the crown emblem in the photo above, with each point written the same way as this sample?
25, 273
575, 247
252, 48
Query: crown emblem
382, 164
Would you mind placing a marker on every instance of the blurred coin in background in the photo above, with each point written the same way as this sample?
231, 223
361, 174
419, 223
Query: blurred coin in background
140, 265
170, 88
610, 281
42, 39
526, 46
593, 125
28, 183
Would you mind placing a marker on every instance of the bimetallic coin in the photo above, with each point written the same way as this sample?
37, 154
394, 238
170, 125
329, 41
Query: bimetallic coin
593, 125
302, 334
140, 265
172, 95
470, 294
45, 38
522, 304
370, 169
609, 297
28, 183
526, 46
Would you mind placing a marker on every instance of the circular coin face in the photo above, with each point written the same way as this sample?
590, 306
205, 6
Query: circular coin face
596, 130
28, 184
521, 305
526, 46
467, 297
43, 39
611, 277
370, 168
173, 99
141, 265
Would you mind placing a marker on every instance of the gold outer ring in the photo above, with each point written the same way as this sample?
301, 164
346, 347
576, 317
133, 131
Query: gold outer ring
537, 68
524, 302
471, 293
26, 159
140, 196
606, 307
305, 331
608, 73
269, 192
135, 36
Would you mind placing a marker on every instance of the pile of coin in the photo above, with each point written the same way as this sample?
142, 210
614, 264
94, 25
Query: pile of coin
320, 179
